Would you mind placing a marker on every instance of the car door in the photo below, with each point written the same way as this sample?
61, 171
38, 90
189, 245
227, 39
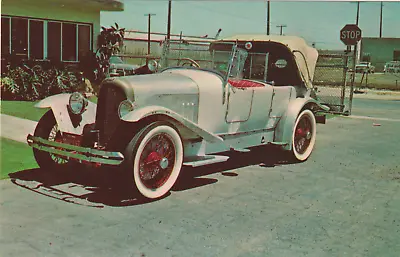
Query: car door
241, 91
239, 105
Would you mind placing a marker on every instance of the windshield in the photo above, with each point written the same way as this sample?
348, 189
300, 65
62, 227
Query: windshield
227, 59
236, 63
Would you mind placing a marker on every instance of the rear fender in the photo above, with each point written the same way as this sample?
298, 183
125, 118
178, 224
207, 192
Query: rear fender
149, 111
68, 122
285, 127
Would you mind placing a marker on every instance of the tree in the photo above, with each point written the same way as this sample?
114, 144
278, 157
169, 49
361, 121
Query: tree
109, 41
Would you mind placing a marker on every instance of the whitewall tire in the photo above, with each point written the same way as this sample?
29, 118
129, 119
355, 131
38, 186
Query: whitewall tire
304, 135
155, 157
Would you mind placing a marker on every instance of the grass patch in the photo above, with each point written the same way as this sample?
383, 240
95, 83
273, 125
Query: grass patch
379, 81
333, 78
22, 109
15, 156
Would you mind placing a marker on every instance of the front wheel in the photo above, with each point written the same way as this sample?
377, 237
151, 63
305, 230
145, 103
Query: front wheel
304, 134
155, 157
47, 128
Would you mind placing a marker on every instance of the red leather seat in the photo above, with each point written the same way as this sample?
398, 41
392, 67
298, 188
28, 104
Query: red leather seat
242, 83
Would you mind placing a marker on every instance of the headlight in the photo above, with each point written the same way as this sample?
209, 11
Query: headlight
77, 103
152, 65
125, 107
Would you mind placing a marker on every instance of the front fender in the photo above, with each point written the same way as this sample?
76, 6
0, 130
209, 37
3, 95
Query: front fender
58, 104
285, 126
148, 111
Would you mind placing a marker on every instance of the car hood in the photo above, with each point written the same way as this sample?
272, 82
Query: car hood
138, 88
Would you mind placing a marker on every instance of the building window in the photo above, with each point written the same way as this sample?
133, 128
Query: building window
54, 41
31, 38
5, 36
36, 39
19, 37
69, 42
396, 55
84, 41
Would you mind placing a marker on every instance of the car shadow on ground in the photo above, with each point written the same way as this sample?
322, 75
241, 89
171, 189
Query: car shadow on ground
100, 187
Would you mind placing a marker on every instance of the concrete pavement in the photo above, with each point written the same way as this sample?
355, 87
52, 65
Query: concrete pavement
343, 201
15, 128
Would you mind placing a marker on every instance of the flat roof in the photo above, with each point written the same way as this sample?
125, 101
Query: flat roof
108, 5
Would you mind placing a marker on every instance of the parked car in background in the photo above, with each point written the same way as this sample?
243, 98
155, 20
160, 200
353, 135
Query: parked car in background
256, 91
392, 67
119, 68
365, 67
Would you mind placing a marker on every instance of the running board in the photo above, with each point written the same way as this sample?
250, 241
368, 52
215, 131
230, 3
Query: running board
242, 150
197, 161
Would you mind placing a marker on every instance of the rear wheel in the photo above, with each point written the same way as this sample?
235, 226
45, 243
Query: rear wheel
47, 128
155, 157
304, 134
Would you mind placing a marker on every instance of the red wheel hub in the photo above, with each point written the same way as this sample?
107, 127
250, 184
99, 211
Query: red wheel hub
152, 157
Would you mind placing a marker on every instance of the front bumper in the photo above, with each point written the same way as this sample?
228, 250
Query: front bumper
79, 153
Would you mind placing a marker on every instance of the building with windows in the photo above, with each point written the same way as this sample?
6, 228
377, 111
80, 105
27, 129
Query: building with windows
379, 51
59, 30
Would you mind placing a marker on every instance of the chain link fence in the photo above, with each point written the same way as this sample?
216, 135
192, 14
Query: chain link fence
332, 81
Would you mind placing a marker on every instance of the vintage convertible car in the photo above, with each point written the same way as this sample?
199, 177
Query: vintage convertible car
256, 91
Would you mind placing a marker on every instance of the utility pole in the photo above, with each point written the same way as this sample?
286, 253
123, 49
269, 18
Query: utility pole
268, 16
148, 35
358, 12
281, 26
380, 24
169, 20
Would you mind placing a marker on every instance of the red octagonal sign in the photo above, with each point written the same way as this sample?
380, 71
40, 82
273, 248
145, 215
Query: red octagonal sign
350, 34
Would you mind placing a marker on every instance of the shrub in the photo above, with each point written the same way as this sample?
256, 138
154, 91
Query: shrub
24, 83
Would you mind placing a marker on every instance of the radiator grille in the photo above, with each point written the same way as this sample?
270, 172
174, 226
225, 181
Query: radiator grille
107, 119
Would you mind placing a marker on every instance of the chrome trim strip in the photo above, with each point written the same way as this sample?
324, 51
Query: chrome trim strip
236, 134
76, 152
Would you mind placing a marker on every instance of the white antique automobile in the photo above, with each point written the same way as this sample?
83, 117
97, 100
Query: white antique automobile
258, 91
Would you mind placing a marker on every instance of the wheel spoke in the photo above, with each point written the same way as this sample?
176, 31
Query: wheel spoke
159, 149
55, 135
302, 136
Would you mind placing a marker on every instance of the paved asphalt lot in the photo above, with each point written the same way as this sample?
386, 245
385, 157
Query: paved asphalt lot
343, 201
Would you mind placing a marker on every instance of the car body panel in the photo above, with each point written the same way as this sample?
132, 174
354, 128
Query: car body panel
59, 106
147, 111
285, 126
365, 67
392, 67
119, 68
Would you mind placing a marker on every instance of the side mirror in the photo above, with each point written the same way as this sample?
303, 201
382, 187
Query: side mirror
152, 65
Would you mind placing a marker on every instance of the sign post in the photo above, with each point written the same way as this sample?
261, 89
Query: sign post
350, 34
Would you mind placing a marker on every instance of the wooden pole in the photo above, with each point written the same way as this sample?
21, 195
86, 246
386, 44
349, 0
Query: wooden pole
169, 20
268, 16
358, 12
380, 24
148, 35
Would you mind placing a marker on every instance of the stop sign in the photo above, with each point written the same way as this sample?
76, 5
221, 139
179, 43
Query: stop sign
350, 34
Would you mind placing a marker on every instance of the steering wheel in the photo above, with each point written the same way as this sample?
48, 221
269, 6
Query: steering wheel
189, 62
259, 68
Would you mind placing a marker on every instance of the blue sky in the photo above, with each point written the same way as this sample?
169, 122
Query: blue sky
316, 21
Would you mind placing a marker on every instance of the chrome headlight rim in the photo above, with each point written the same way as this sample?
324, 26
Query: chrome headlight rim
125, 107
77, 103
152, 65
